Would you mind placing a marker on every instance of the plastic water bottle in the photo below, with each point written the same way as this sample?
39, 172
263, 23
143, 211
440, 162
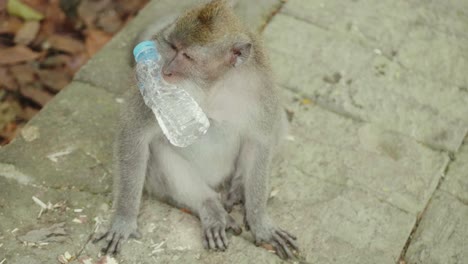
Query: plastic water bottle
180, 117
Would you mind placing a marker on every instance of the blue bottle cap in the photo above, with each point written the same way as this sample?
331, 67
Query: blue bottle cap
145, 45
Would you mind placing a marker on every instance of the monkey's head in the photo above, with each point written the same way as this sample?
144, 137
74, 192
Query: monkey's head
203, 45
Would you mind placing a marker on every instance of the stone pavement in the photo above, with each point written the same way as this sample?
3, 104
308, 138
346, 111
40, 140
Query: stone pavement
375, 169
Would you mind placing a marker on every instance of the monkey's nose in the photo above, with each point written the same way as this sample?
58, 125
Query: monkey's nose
166, 72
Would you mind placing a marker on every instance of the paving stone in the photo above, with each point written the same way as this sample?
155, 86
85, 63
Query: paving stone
456, 180
19, 215
380, 25
438, 56
353, 81
442, 235
68, 144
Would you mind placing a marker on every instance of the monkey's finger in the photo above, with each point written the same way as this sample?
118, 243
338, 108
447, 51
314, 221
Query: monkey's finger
114, 244
99, 238
278, 249
283, 245
289, 234
205, 241
288, 239
209, 236
109, 247
224, 238
217, 237
118, 246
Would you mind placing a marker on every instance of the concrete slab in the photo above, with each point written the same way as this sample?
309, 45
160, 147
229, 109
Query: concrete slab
19, 215
456, 180
353, 81
379, 25
440, 56
69, 143
442, 235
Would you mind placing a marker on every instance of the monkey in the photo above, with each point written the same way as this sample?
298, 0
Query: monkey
209, 53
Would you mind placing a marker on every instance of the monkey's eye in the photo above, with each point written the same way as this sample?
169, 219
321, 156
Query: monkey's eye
187, 56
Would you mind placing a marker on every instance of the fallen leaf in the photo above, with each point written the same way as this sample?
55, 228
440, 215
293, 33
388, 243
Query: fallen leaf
306, 101
9, 132
54, 61
268, 247
24, 73
17, 54
54, 233
16, 8
36, 94
185, 210
66, 43
28, 113
8, 112
109, 21
27, 32
77, 61
95, 40
7, 81
56, 80
88, 10
10, 25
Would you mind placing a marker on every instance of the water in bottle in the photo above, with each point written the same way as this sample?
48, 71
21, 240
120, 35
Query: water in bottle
180, 117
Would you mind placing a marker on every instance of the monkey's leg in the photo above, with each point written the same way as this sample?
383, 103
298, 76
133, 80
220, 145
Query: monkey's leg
255, 161
185, 187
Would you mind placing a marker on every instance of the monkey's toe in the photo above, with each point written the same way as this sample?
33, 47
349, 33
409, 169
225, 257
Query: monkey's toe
215, 238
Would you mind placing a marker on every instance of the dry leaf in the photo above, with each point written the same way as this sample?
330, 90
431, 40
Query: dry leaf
56, 80
185, 210
88, 10
16, 8
10, 25
59, 60
28, 113
95, 40
9, 132
66, 43
77, 61
17, 54
23, 73
8, 112
27, 32
109, 21
36, 94
7, 81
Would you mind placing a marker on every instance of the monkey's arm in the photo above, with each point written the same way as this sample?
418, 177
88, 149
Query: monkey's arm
255, 159
137, 128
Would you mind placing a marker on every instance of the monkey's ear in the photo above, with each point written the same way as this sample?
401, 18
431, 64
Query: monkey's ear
240, 53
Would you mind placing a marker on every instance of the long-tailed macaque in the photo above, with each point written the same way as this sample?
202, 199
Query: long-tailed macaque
210, 54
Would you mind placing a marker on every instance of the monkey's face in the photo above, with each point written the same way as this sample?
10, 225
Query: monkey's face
202, 64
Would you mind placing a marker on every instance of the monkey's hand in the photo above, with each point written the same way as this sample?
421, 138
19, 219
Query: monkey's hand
118, 233
282, 241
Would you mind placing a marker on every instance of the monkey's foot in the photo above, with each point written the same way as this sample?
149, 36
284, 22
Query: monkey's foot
215, 221
282, 241
118, 233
